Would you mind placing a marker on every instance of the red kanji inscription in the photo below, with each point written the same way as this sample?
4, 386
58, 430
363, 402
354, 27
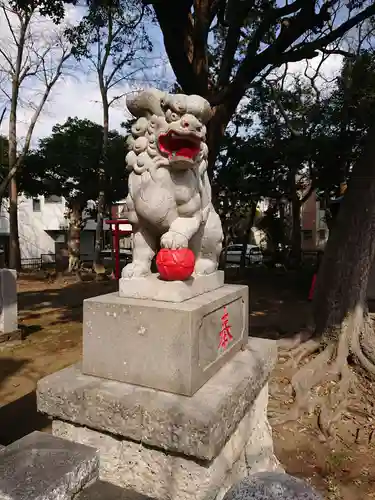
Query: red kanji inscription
225, 335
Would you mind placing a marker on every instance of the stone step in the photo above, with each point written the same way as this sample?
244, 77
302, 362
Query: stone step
272, 486
102, 490
41, 467
261, 486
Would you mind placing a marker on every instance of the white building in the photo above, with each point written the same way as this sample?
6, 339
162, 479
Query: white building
43, 227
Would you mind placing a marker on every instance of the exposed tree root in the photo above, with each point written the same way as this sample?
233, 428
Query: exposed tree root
362, 347
313, 373
294, 342
329, 369
302, 351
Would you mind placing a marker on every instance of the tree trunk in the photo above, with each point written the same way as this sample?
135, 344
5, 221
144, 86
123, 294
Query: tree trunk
98, 265
74, 237
14, 242
349, 255
246, 236
216, 129
295, 256
342, 323
224, 254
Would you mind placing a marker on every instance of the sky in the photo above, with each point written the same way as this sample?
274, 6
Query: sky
77, 93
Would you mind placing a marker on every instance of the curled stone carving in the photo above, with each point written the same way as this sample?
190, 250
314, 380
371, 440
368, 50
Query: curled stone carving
169, 201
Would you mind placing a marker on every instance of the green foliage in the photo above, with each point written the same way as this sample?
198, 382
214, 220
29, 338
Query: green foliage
347, 116
25, 181
55, 9
263, 155
68, 162
320, 140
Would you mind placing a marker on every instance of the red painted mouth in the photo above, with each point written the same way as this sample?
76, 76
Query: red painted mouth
185, 146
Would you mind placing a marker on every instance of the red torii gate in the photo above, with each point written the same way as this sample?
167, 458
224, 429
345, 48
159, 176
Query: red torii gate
117, 231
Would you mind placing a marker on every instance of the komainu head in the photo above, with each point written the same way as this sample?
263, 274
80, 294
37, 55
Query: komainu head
170, 131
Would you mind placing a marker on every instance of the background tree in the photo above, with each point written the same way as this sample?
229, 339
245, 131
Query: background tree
274, 152
244, 174
25, 56
113, 40
342, 328
289, 117
68, 164
219, 48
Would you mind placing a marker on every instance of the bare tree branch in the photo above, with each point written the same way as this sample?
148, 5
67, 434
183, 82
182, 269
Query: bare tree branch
20, 159
302, 50
29, 61
7, 58
276, 98
340, 52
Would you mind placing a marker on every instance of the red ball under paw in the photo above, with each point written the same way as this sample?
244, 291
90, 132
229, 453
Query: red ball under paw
175, 265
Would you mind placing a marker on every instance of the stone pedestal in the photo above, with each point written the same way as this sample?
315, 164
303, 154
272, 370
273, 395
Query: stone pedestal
169, 446
8, 306
172, 347
154, 288
173, 394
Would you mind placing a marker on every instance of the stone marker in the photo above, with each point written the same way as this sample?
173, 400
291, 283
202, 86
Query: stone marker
169, 391
272, 486
186, 336
8, 306
42, 467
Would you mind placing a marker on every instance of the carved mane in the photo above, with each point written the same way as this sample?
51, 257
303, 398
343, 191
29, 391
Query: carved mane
148, 106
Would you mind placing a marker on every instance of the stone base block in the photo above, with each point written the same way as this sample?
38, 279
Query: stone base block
102, 490
154, 288
198, 426
272, 486
163, 345
8, 303
163, 476
40, 466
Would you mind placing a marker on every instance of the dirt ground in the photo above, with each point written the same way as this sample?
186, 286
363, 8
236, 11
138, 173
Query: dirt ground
51, 318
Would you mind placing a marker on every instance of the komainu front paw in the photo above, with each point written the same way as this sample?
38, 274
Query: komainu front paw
174, 240
136, 270
205, 266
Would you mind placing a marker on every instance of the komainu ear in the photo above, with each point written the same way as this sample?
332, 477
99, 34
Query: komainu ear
145, 103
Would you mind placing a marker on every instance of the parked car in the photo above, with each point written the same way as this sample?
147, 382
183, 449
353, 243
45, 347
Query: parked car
253, 254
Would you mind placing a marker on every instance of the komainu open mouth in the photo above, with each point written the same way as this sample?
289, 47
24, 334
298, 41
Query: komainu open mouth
179, 145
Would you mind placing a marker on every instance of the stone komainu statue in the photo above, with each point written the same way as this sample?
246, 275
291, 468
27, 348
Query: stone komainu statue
169, 201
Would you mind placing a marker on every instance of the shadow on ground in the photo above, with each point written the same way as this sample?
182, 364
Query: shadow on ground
102, 490
278, 299
9, 366
19, 418
66, 300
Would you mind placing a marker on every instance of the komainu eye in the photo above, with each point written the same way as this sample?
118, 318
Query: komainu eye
171, 116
